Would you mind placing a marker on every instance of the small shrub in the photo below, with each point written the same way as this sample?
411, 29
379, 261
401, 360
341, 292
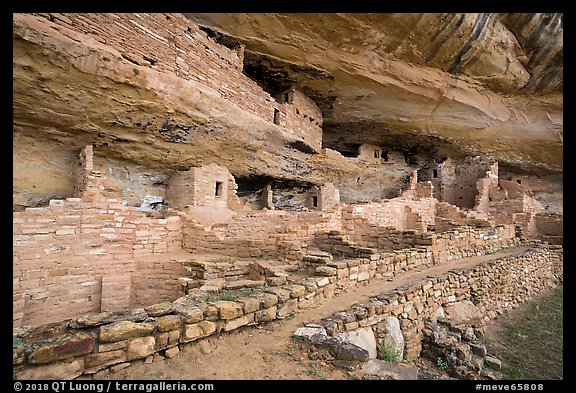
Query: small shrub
389, 354
16, 341
441, 363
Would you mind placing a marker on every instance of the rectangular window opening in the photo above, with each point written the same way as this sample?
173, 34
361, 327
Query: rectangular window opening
434, 173
276, 116
315, 201
218, 189
376, 154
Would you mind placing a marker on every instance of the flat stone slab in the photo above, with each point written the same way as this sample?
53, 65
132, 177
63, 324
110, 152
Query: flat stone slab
364, 338
307, 332
390, 370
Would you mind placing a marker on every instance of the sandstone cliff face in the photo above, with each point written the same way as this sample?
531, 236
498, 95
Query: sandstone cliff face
489, 84
155, 93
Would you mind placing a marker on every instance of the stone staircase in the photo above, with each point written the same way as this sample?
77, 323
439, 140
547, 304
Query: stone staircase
339, 244
214, 273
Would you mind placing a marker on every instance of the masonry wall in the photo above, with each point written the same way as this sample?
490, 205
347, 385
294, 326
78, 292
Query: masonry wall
325, 197
91, 345
445, 182
370, 153
458, 179
550, 227
303, 117
494, 287
449, 216
36, 161
171, 43
156, 279
132, 183
76, 257
198, 187
513, 189
397, 213
460, 242
268, 234
487, 190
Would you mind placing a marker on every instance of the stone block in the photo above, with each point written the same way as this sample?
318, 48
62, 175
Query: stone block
141, 347
493, 363
97, 361
191, 314
168, 322
162, 340
281, 294
118, 331
238, 322
18, 356
288, 307
266, 315
105, 347
326, 271
250, 305
65, 370
276, 281
229, 309
192, 332
173, 337
308, 331
207, 327
46, 332
134, 315
211, 311
157, 310
171, 352
67, 346
296, 291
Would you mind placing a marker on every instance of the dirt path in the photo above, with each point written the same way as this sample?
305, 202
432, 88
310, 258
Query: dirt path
268, 351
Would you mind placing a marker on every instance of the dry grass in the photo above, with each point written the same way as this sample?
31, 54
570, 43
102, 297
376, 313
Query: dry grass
529, 340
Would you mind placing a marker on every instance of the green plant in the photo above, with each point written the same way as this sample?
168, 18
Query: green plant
290, 316
315, 374
16, 341
389, 354
221, 296
157, 374
250, 291
441, 363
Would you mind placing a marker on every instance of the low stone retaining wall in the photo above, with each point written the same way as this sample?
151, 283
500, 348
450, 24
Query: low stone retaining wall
87, 345
493, 287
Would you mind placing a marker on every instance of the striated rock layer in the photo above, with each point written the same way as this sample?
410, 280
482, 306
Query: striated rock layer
155, 93
488, 84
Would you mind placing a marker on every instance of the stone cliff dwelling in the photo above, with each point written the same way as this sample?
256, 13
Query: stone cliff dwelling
161, 161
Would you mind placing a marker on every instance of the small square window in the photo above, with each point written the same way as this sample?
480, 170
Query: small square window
218, 189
